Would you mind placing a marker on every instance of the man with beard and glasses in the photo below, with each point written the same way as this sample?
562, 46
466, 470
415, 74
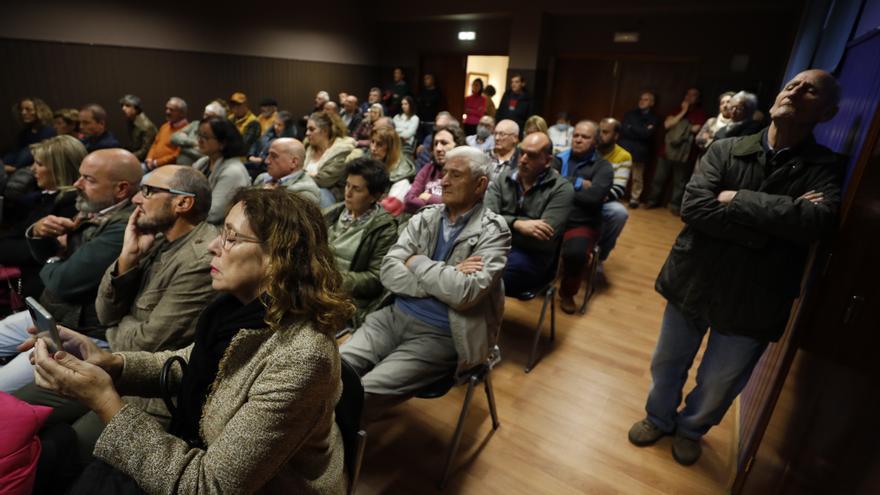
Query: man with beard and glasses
150, 297
75, 252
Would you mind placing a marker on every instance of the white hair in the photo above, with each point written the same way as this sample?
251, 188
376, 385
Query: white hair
178, 102
749, 100
477, 160
324, 95
215, 108
507, 122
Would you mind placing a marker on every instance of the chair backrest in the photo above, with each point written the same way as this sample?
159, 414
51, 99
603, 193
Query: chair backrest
348, 413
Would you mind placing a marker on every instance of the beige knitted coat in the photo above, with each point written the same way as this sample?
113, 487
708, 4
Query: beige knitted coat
268, 420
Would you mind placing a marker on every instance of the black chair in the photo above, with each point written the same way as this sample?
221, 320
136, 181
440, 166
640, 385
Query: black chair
348, 418
472, 377
590, 275
547, 287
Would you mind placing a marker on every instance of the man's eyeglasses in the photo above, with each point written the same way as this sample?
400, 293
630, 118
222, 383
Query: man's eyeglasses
499, 134
229, 238
148, 190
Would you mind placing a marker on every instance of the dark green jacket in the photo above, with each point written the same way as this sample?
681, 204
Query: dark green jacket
361, 280
739, 266
551, 201
71, 285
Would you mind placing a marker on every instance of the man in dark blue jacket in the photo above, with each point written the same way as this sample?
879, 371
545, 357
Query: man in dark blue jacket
751, 212
93, 124
637, 137
592, 177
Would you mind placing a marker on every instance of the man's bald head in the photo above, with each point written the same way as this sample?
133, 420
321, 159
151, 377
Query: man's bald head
537, 151
809, 98
106, 178
506, 136
286, 156
383, 122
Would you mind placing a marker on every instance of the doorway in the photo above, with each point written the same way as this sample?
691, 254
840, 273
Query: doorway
492, 70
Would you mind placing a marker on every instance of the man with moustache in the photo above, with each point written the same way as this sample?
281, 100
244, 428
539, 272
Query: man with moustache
752, 210
75, 252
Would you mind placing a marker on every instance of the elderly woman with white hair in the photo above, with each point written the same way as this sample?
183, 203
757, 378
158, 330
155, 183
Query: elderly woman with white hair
742, 109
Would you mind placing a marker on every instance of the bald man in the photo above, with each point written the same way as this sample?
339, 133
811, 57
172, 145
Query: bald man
751, 211
150, 298
284, 167
535, 201
76, 252
505, 153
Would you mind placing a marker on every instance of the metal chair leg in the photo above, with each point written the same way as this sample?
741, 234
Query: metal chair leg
456, 437
552, 291
591, 279
537, 337
490, 397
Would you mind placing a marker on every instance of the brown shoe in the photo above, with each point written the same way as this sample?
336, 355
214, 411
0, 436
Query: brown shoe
644, 433
566, 303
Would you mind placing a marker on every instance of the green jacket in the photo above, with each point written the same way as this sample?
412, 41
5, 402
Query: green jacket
550, 200
71, 285
361, 280
142, 132
739, 266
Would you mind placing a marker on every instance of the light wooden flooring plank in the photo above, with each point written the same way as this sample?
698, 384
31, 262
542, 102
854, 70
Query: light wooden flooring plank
564, 425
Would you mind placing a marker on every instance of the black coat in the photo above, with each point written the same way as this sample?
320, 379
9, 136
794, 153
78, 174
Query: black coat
516, 107
739, 266
637, 134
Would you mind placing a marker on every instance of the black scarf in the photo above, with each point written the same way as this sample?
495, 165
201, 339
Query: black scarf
217, 326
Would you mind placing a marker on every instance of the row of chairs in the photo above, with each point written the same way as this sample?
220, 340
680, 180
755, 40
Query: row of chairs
350, 406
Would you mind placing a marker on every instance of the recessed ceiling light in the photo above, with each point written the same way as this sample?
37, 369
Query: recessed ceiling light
467, 35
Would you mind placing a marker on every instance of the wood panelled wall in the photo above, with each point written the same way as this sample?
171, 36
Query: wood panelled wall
71, 75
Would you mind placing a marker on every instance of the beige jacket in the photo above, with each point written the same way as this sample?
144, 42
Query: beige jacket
331, 166
268, 420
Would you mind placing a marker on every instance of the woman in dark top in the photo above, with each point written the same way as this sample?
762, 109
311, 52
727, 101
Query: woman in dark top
35, 118
56, 168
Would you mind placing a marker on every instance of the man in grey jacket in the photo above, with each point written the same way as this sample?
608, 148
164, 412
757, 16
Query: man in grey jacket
284, 167
445, 271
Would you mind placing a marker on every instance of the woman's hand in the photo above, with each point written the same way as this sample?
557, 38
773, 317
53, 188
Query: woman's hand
65, 374
80, 346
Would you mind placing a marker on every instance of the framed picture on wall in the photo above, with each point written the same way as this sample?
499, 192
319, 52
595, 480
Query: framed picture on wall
475, 75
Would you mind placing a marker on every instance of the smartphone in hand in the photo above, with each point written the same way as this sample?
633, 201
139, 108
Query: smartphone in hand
43, 320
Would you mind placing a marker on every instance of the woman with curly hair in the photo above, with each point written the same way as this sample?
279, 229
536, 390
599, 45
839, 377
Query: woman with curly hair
256, 400
35, 119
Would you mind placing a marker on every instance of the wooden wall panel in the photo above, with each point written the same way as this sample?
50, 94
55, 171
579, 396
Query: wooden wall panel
70, 75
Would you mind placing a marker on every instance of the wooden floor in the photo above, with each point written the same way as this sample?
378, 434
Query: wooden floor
564, 425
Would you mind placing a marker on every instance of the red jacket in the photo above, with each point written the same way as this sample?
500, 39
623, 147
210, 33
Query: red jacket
19, 444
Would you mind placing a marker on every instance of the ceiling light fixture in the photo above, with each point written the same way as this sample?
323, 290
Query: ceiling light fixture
467, 35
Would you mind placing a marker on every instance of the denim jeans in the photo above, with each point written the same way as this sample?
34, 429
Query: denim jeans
724, 371
614, 217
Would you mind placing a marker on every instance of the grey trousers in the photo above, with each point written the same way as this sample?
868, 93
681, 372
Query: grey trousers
397, 354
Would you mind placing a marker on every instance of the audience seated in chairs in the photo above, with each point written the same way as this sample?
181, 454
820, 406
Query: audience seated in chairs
365, 128
150, 297
591, 177
614, 213
328, 147
268, 112
385, 147
283, 125
534, 201
505, 152
350, 113
76, 252
261, 418
361, 232
93, 125
284, 168
245, 120
163, 151
427, 188
56, 168
406, 123
222, 146
141, 130
66, 121
445, 272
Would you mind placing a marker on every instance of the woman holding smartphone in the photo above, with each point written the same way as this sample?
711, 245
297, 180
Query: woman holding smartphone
257, 398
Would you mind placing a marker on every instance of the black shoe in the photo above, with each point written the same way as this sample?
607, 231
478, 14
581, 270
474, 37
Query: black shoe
645, 433
634, 204
686, 451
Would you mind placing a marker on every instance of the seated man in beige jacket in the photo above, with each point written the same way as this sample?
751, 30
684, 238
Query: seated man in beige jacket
150, 297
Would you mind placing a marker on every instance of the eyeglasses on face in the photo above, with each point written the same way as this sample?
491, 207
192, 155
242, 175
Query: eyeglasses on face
229, 238
148, 190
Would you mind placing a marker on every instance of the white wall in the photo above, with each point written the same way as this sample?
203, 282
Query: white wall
495, 66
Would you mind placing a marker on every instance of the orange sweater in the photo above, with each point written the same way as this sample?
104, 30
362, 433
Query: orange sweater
162, 150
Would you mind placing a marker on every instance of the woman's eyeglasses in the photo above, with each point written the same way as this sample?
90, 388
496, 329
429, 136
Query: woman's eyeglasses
229, 238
